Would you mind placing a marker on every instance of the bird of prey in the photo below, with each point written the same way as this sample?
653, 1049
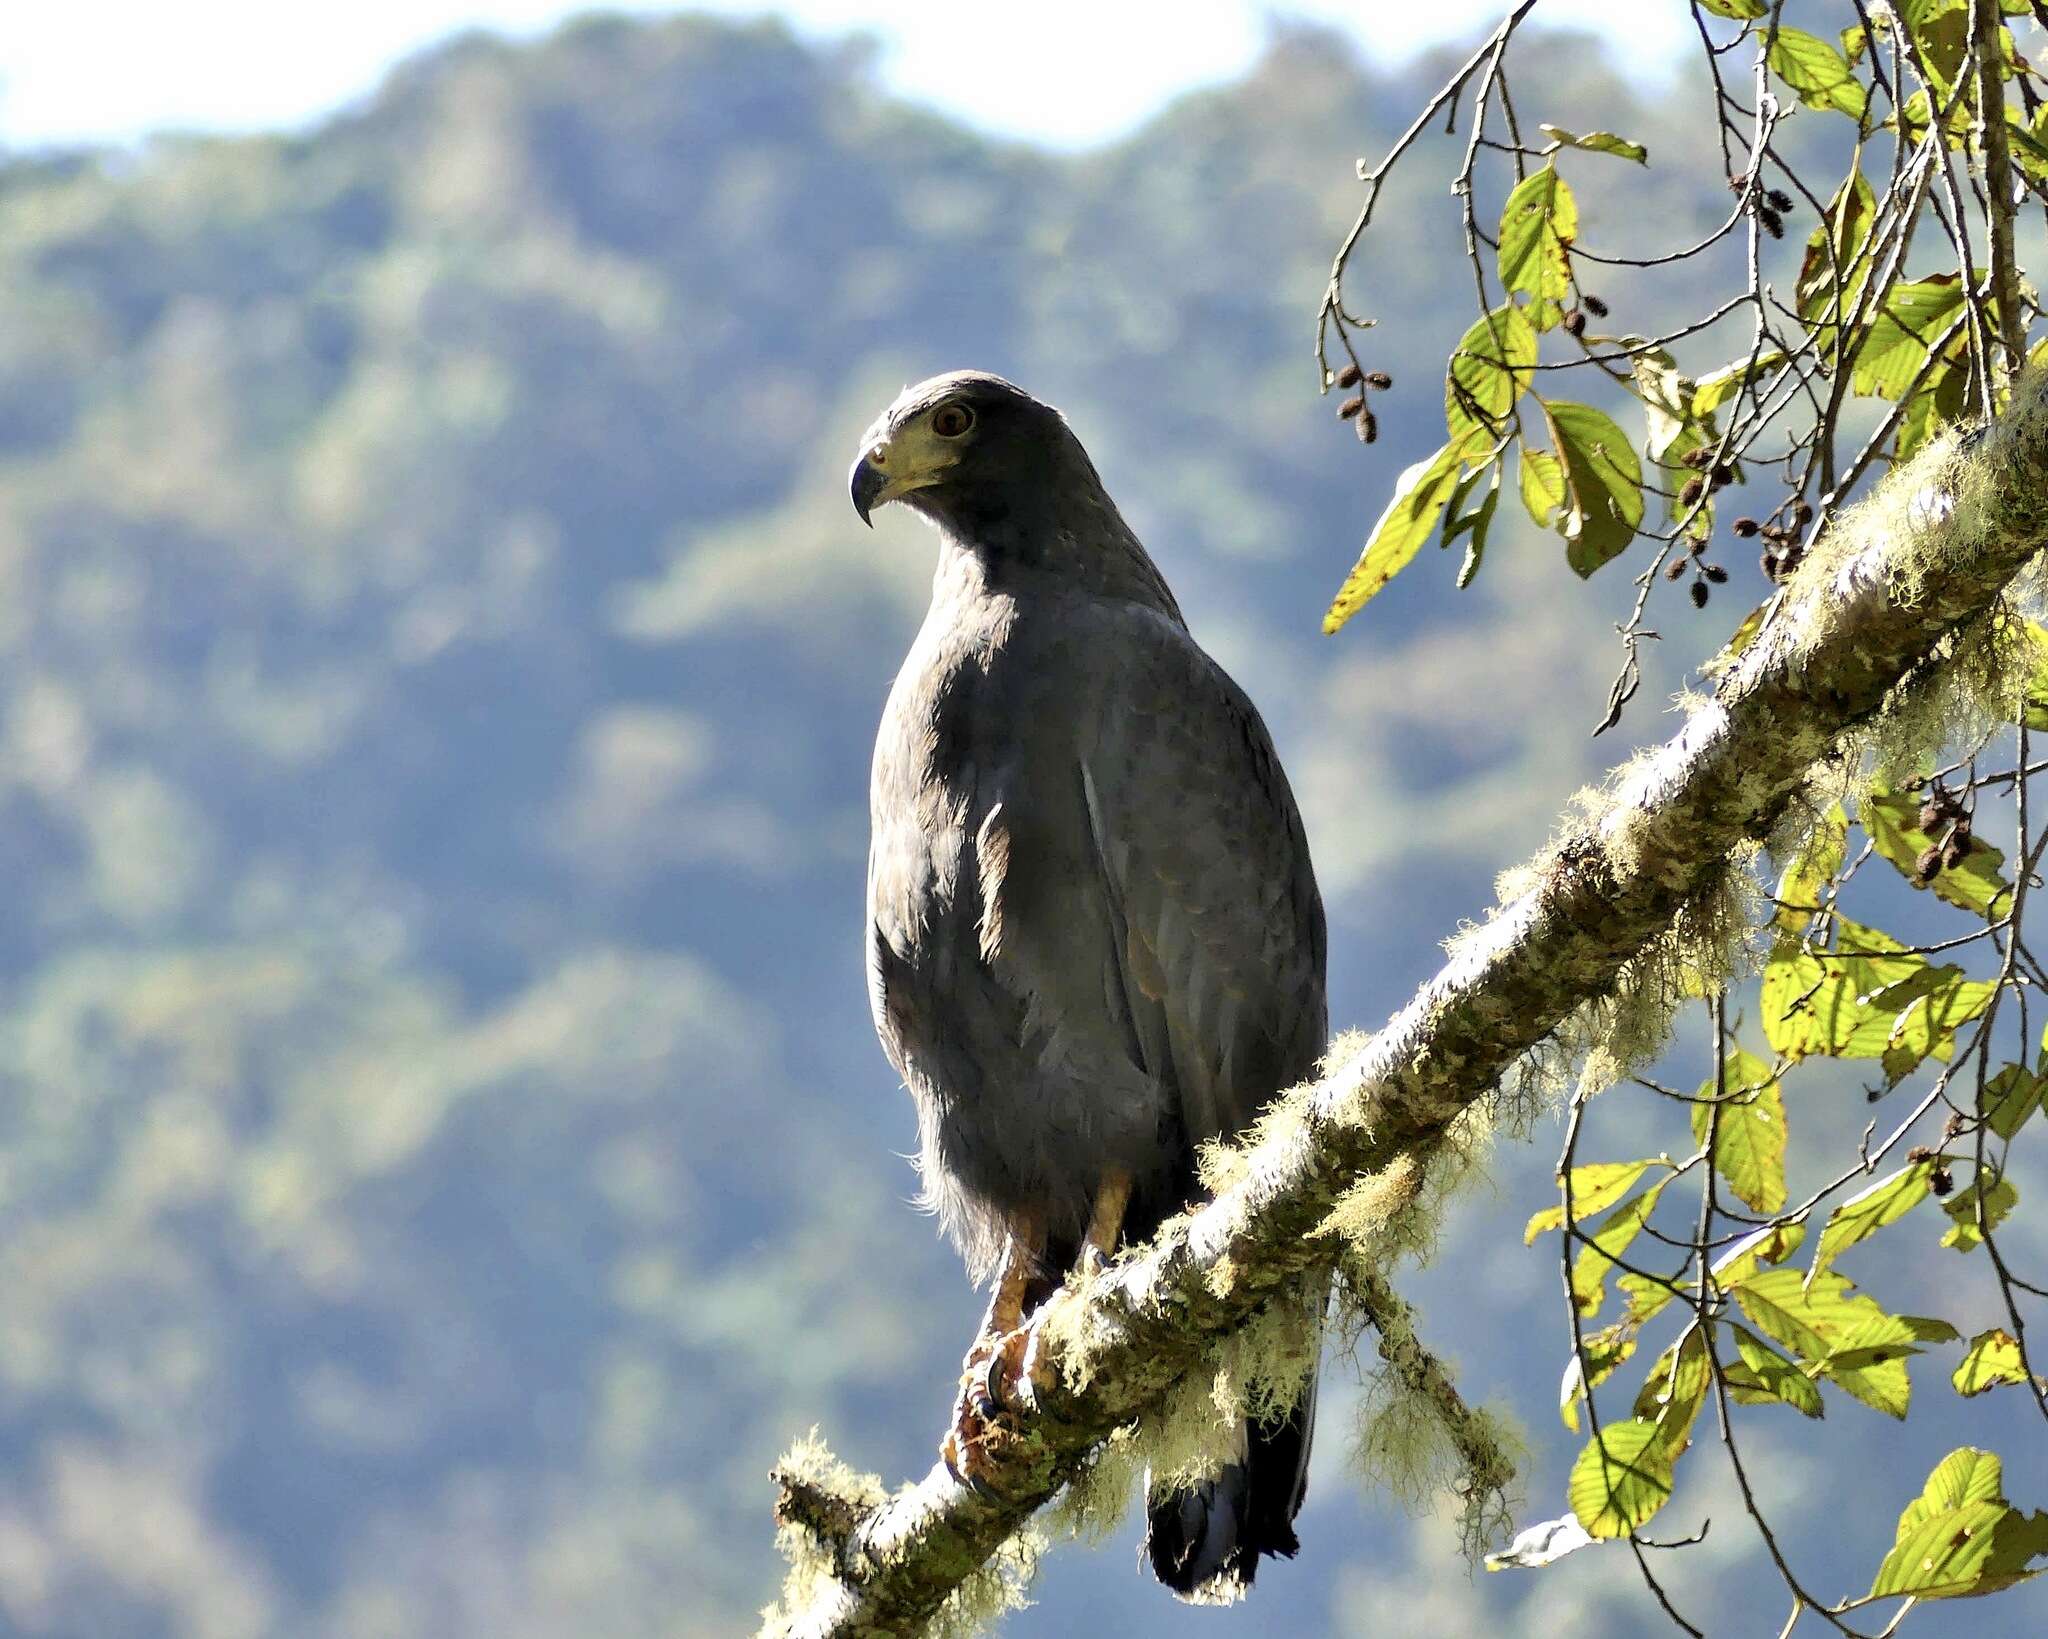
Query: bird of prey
1094, 937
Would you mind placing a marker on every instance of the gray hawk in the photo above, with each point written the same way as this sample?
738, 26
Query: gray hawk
1094, 936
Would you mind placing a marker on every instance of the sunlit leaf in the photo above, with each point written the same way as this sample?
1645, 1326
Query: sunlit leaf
1975, 883
1594, 1188
1818, 72
1895, 346
1603, 482
1717, 387
1537, 222
1542, 485
1960, 1536
1620, 1480
1596, 1359
1748, 1132
1997, 1196
2009, 1098
1833, 269
1741, 10
1993, 1361
1486, 374
1675, 1389
1773, 1243
1871, 1209
1598, 142
1419, 497
1606, 1243
1767, 1377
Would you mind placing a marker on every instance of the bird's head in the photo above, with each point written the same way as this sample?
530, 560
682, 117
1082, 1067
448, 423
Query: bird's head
962, 447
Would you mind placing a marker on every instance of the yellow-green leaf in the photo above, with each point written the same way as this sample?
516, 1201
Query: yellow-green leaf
1595, 1187
1915, 315
1598, 142
1419, 497
1620, 1480
1603, 484
1542, 483
1487, 373
1811, 870
1538, 221
1818, 72
1993, 1361
1613, 1237
2009, 1098
1998, 1200
1960, 1537
1865, 1213
1766, 1377
1975, 883
1749, 1133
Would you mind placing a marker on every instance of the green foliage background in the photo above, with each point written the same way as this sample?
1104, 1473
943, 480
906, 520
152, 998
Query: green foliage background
443, 1157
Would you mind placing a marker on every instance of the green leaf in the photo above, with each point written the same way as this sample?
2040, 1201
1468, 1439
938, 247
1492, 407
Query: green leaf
1647, 1297
1487, 373
1960, 1537
1817, 72
1674, 1391
1603, 481
1749, 1134
1998, 1201
1914, 316
2035, 712
1773, 1243
2009, 1098
1620, 1480
1864, 1214
1595, 1187
1477, 522
1975, 883
1993, 1361
1596, 1256
1542, 485
1598, 142
1740, 10
1538, 221
1811, 870
1767, 1377
1419, 497
1941, 399
1592, 1363
1834, 269
1838, 1332
1713, 390
1869, 1360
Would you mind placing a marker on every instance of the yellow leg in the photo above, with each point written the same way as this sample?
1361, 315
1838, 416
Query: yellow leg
965, 1447
1107, 1221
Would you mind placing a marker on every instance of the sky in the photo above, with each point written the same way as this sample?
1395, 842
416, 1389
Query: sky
1065, 72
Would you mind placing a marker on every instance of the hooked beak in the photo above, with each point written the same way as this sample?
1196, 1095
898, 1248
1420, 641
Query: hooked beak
868, 484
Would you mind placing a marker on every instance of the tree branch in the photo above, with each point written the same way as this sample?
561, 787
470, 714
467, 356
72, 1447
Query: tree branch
1896, 591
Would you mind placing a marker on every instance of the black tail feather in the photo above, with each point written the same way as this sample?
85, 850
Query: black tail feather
1205, 1542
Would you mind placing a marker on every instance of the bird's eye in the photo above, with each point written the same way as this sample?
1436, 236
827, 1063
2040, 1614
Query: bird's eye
951, 420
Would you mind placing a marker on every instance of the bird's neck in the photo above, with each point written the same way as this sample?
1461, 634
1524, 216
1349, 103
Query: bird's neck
1073, 544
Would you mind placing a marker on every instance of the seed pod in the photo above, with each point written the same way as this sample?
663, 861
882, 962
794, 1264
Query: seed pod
1963, 825
1932, 812
1774, 224
1699, 457
1768, 562
1368, 427
1745, 527
1379, 381
1715, 573
1575, 323
1350, 407
1956, 849
1926, 867
1802, 514
1917, 1154
1941, 1180
1594, 305
1692, 490
1349, 376
1723, 475
1780, 199
1699, 594
1674, 569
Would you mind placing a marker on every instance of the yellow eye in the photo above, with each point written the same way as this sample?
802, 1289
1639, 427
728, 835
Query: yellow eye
951, 420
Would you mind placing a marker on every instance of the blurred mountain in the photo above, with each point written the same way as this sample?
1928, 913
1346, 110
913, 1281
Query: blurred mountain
443, 1155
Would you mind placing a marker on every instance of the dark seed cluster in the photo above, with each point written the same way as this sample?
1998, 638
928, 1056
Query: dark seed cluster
1942, 812
1354, 409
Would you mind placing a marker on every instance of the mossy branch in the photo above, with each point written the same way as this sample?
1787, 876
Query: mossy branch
1626, 910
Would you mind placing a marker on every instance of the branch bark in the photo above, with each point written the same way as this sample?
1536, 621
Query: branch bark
1884, 601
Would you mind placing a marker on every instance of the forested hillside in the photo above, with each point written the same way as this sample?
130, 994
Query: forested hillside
443, 1154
